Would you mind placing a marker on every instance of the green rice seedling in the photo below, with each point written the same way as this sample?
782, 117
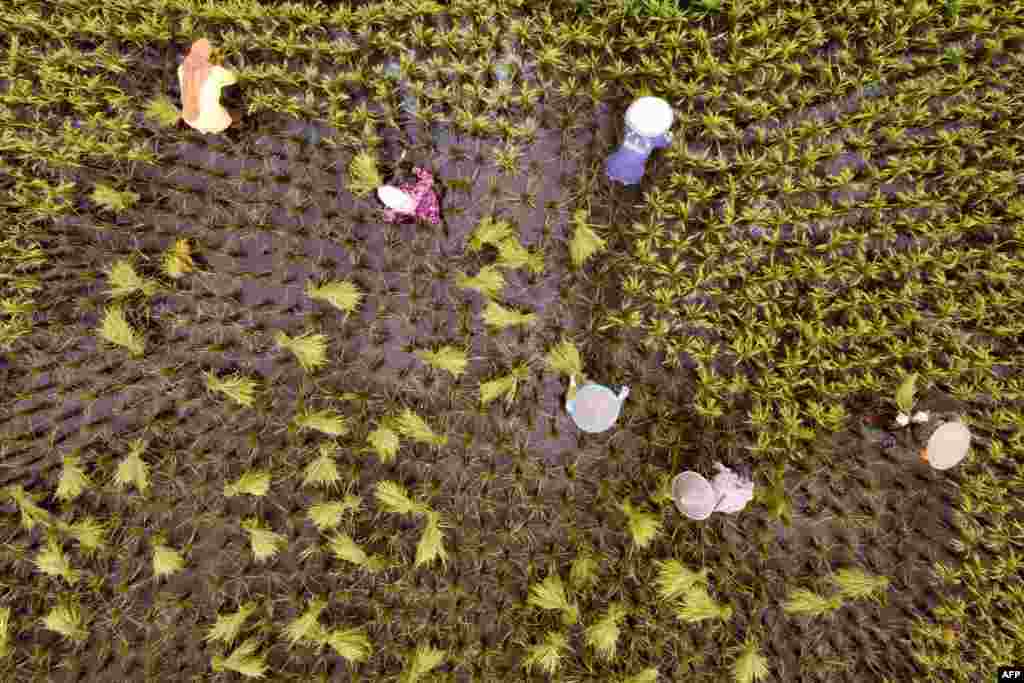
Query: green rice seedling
547, 654
585, 241
583, 572
352, 644
643, 526
133, 470
342, 294
431, 544
489, 281
856, 583
384, 442
327, 422
447, 358
306, 628
252, 483
265, 543
73, 480
512, 254
328, 514
31, 514
116, 330
674, 580
603, 636
751, 665
228, 627
489, 231
564, 358
162, 111
5, 632
323, 470
550, 595
698, 605
395, 499
124, 281
177, 260
67, 620
310, 349
363, 175
90, 535
243, 660
166, 560
808, 603
52, 561
345, 548
110, 199
423, 660
499, 317
506, 386
646, 676
411, 425
237, 387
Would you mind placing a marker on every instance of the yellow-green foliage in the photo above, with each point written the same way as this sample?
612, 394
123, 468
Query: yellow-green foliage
252, 483
643, 526
565, 358
424, 660
416, 428
323, 470
363, 175
646, 676
808, 603
674, 580
489, 231
550, 595
306, 628
5, 632
585, 241
310, 349
89, 533
237, 387
583, 572
73, 480
497, 316
431, 545
506, 386
750, 666
547, 654
112, 200
512, 254
698, 605
124, 281
229, 626
328, 514
603, 635
384, 442
447, 358
166, 560
31, 514
345, 548
342, 294
133, 470
489, 281
67, 620
856, 583
116, 329
264, 542
350, 643
324, 421
52, 561
162, 111
177, 260
243, 660
395, 499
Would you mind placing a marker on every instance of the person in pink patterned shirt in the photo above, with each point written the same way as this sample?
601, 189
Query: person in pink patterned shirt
419, 200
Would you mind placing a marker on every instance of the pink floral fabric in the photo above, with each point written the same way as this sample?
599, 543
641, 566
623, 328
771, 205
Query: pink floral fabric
424, 198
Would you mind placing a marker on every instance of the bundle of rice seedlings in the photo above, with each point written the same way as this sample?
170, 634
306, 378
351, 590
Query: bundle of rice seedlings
416, 428
306, 628
489, 231
507, 385
350, 643
603, 636
162, 111
113, 200
384, 442
328, 514
116, 330
646, 676
447, 358
394, 498
177, 260
310, 349
124, 281
488, 281
89, 534
345, 548
342, 294
363, 175
31, 514
674, 580
52, 561
750, 666
252, 483
229, 626
583, 572
236, 387
643, 526
166, 560
67, 620
585, 241
5, 632
431, 544
499, 317
424, 660
243, 660
324, 421
808, 603
698, 605
547, 655
564, 358
512, 254
323, 470
264, 542
550, 595
133, 470
73, 480
857, 583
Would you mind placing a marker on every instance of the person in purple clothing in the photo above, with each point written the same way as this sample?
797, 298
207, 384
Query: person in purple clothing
648, 121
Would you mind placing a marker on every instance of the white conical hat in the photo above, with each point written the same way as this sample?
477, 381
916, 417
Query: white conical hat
693, 495
395, 199
649, 116
948, 445
596, 408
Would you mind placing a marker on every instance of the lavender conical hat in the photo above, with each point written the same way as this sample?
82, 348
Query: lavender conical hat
693, 494
948, 445
595, 407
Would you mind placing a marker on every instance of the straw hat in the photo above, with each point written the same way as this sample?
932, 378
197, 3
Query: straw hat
693, 494
596, 408
947, 446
